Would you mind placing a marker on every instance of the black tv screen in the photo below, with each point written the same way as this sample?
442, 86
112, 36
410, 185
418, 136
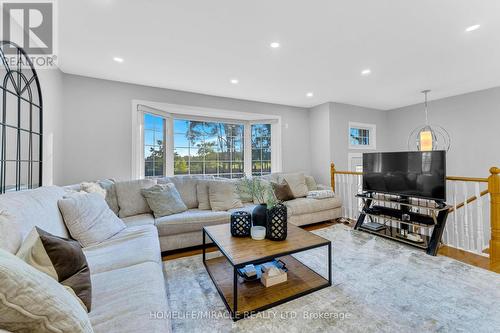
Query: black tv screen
412, 174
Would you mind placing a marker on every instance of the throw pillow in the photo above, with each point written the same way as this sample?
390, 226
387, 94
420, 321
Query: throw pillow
164, 200
311, 183
88, 218
267, 189
243, 191
297, 182
60, 258
282, 191
10, 233
186, 186
202, 194
223, 195
32, 301
130, 199
105, 187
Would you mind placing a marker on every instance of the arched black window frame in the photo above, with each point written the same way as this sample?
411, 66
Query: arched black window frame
25, 83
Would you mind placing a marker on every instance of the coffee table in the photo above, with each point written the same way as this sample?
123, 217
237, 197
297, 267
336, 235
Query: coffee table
243, 299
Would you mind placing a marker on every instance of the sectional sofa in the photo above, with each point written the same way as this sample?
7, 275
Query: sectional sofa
128, 289
184, 229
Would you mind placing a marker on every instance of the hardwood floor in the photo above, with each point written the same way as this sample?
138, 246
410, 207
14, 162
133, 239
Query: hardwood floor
460, 255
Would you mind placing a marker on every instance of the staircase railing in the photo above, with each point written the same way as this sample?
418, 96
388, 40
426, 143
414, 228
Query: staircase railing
474, 221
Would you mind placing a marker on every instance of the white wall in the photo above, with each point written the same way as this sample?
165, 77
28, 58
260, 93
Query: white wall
472, 121
98, 132
339, 127
320, 142
51, 82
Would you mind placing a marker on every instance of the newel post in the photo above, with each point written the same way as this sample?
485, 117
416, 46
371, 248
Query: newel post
332, 175
494, 189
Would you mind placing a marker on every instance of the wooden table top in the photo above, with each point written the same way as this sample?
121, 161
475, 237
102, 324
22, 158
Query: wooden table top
240, 250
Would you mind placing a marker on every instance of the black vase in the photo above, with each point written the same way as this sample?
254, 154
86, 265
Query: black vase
259, 215
277, 223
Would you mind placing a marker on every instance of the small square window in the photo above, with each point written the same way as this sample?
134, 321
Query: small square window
362, 136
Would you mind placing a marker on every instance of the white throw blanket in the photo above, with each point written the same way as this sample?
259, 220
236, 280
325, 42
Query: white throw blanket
321, 194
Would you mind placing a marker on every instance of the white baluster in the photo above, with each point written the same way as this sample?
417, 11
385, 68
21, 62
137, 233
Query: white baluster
466, 217
455, 214
480, 221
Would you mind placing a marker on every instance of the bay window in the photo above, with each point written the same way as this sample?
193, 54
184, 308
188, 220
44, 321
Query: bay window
169, 143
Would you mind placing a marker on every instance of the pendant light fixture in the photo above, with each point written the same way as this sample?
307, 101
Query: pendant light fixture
428, 137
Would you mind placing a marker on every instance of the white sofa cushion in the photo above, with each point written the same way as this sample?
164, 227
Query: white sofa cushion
10, 233
141, 219
131, 246
223, 195
127, 299
308, 206
34, 207
89, 218
130, 199
32, 301
190, 220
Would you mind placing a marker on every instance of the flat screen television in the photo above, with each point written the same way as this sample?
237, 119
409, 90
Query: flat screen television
410, 174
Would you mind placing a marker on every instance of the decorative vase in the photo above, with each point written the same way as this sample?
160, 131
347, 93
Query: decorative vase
259, 215
240, 224
277, 223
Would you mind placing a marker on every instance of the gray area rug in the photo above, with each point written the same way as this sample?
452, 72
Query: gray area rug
378, 286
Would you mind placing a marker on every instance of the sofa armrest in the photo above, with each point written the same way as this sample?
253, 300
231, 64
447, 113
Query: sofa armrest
324, 187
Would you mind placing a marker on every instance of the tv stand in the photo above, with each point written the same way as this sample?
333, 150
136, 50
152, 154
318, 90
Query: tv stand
403, 218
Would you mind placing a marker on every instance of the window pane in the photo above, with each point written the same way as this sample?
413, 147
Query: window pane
261, 149
196, 168
154, 139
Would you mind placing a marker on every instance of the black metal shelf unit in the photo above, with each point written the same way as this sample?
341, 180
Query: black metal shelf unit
21, 125
404, 218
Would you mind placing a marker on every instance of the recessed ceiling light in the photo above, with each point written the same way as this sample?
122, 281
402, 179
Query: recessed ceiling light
366, 72
118, 59
310, 94
275, 45
472, 28
235, 81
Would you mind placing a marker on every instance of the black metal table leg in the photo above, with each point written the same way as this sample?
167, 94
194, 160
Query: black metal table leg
330, 263
235, 294
204, 246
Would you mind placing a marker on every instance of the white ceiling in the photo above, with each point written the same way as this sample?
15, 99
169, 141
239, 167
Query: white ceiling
199, 45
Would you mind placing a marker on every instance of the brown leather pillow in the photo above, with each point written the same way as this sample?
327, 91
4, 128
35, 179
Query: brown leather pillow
60, 258
282, 191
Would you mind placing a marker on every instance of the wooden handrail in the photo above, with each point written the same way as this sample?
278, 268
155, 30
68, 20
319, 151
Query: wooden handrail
467, 179
468, 201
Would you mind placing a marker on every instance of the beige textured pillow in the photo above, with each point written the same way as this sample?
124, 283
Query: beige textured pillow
223, 195
297, 182
130, 199
202, 194
88, 218
311, 183
32, 301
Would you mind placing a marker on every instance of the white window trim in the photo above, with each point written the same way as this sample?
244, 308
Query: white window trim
171, 111
373, 135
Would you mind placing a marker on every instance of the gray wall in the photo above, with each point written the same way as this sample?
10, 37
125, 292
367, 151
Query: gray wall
339, 127
98, 132
472, 122
320, 142
51, 82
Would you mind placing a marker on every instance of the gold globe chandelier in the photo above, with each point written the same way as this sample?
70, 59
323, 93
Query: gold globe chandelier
429, 137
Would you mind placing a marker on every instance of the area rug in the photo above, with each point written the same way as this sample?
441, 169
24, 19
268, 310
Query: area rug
378, 286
